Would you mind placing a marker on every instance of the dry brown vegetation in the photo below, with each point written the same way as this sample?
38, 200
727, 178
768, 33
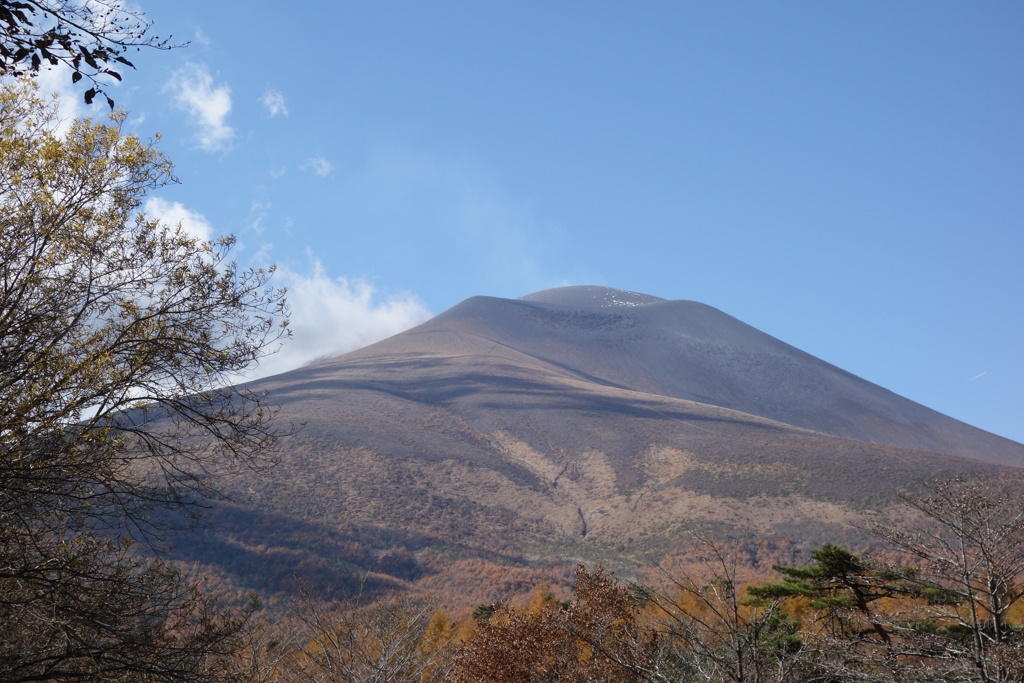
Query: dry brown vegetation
840, 618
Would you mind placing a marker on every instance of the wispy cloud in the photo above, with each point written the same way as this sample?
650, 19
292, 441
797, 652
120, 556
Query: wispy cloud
257, 213
208, 105
175, 213
319, 165
978, 376
273, 100
331, 316
496, 240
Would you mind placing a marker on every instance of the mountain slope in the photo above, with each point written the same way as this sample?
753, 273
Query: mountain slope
576, 423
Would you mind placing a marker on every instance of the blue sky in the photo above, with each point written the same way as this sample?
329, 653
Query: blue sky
846, 176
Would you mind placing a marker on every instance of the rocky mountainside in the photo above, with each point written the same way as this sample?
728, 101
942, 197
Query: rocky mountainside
580, 422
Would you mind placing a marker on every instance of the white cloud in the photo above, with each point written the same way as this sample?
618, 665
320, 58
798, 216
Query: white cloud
331, 316
273, 100
319, 165
194, 92
176, 214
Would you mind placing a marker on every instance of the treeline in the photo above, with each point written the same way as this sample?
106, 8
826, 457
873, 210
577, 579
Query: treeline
274, 555
955, 615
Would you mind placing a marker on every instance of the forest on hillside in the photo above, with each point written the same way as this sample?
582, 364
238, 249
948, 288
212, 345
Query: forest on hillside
956, 614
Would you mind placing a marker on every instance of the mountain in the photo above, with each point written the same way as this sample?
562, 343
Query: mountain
683, 349
576, 422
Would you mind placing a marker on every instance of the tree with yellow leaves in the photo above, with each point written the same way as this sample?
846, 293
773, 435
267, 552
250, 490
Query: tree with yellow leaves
120, 338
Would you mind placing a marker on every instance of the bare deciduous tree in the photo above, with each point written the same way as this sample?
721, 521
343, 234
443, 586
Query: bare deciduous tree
714, 633
969, 537
401, 640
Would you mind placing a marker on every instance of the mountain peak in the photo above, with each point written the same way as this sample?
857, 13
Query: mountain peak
590, 296
673, 349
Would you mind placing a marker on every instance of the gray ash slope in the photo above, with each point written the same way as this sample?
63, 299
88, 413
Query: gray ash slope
579, 421
673, 349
